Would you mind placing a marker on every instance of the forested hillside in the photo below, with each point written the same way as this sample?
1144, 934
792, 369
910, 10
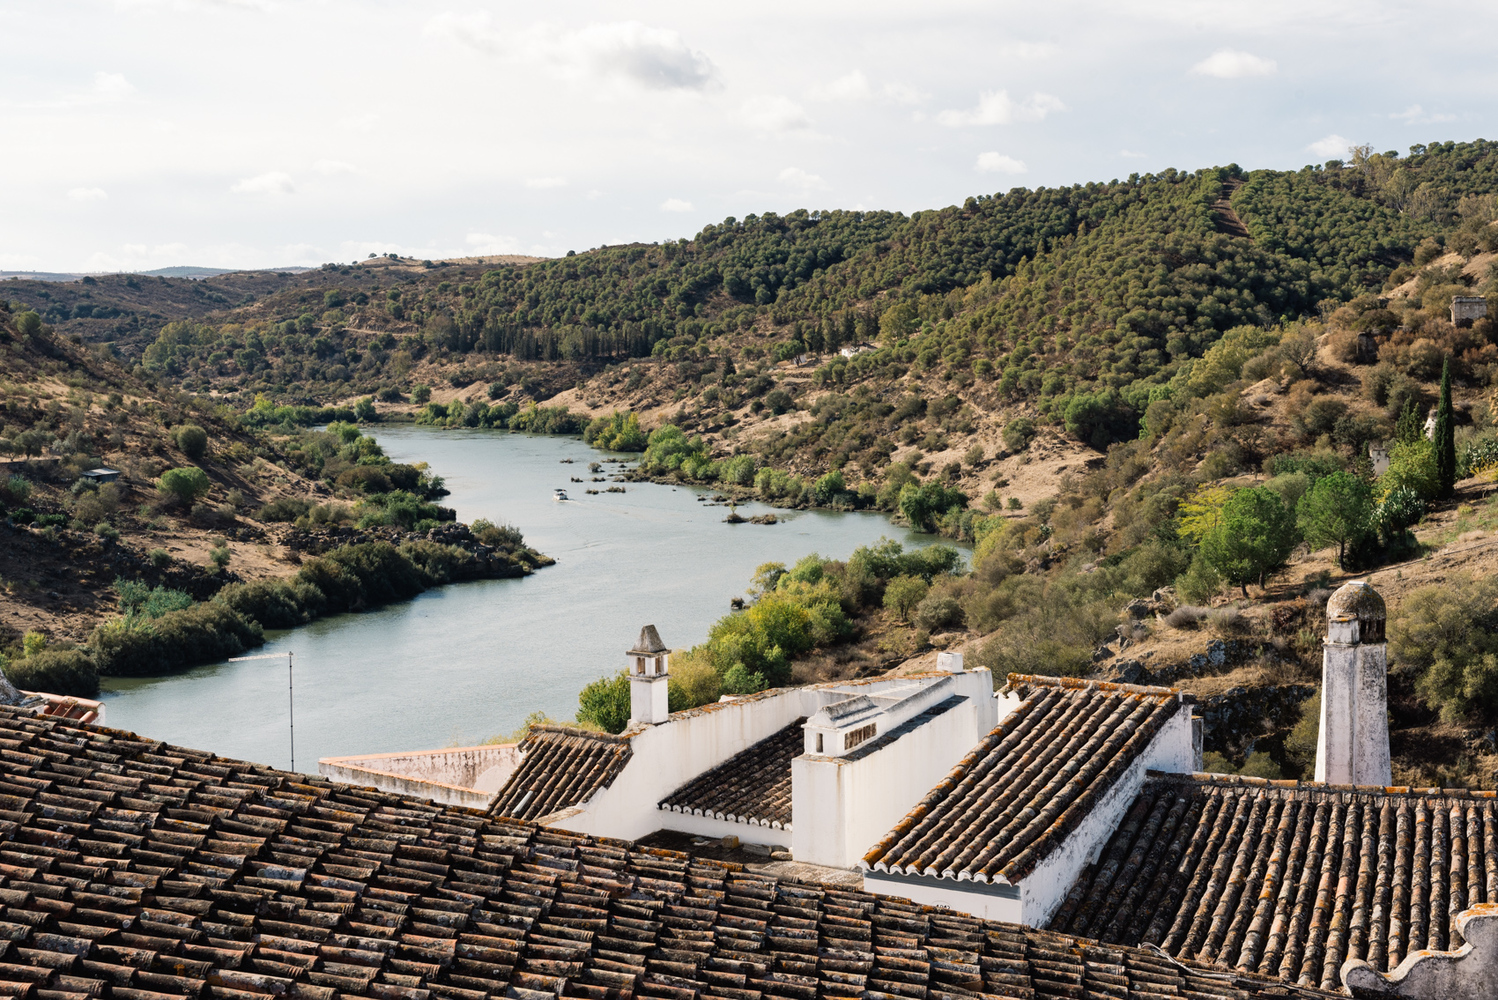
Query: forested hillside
1172, 380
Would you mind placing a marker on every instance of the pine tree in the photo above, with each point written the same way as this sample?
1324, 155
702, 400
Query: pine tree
1445, 434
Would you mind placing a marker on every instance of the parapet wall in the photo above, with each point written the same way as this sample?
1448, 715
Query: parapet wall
460, 776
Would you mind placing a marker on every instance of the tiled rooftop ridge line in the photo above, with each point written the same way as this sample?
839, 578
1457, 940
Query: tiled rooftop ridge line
1289, 878
134, 870
1029, 782
753, 786
560, 767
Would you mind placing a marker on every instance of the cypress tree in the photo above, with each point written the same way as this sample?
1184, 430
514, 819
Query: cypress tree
1445, 434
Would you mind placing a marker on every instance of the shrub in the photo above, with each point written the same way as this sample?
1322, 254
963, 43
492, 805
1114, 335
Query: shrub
693, 680
274, 604
219, 556
203, 633
193, 441
1187, 616
1448, 633
902, 594
284, 509
420, 394
616, 432
365, 479
1018, 433
160, 558
605, 703
1300, 743
56, 671
496, 535
937, 611
184, 485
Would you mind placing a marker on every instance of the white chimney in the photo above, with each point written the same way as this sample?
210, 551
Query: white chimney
649, 668
1352, 747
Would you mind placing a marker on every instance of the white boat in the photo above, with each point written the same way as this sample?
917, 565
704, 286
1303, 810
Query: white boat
559, 495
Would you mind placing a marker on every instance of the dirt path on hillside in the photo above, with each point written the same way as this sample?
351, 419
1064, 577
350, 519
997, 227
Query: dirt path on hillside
1227, 219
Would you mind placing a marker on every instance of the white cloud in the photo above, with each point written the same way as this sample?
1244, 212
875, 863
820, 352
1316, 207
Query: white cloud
1028, 50
995, 108
1230, 64
1129, 154
87, 194
1415, 115
852, 86
541, 183
1332, 146
774, 114
272, 182
359, 123
675, 205
652, 58
797, 178
112, 86
899, 93
855, 86
332, 168
998, 163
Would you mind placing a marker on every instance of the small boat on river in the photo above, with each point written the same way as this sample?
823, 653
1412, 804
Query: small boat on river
559, 495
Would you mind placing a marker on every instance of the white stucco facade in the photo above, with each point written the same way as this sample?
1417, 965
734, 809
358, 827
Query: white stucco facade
1352, 744
459, 776
844, 804
667, 756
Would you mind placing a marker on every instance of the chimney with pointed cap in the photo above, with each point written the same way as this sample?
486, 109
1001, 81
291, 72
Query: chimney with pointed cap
1352, 747
649, 668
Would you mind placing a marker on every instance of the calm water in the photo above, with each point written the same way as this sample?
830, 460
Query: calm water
461, 663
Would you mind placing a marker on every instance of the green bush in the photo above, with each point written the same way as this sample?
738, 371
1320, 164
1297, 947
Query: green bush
193, 441
1447, 634
204, 633
616, 432
275, 604
605, 703
902, 594
1018, 433
284, 509
56, 671
184, 485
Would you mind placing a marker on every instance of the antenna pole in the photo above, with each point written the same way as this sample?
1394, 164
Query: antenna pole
291, 709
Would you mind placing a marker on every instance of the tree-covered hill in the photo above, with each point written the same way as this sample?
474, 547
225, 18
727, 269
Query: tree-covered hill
1100, 286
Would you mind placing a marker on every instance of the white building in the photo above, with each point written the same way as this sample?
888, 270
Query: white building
1009, 829
821, 770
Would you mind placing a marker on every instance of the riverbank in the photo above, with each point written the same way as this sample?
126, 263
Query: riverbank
457, 665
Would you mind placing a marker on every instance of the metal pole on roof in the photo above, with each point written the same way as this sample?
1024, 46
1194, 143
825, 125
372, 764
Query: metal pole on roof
290, 694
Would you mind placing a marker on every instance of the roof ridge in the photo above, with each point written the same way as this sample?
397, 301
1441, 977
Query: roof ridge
578, 731
1293, 784
1087, 684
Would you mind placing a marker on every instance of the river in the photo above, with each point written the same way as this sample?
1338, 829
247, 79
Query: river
463, 663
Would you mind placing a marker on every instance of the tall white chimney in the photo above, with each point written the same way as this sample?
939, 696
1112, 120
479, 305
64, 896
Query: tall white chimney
649, 668
1352, 747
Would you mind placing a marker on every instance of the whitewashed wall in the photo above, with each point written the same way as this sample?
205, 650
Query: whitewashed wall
845, 805
668, 756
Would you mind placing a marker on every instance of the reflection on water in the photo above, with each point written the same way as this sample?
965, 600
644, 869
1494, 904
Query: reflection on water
462, 663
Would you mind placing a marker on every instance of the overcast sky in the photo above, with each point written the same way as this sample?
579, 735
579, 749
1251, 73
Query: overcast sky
242, 133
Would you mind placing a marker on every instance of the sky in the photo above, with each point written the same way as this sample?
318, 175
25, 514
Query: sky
258, 133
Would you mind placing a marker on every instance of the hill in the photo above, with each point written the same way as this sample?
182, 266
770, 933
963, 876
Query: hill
1077, 380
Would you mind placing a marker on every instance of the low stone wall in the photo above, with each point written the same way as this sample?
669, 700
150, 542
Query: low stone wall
461, 776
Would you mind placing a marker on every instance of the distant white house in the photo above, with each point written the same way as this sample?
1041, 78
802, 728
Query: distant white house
854, 350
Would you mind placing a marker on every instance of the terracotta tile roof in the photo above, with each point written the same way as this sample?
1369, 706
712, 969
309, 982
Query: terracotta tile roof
560, 768
753, 786
1021, 790
1289, 879
134, 870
